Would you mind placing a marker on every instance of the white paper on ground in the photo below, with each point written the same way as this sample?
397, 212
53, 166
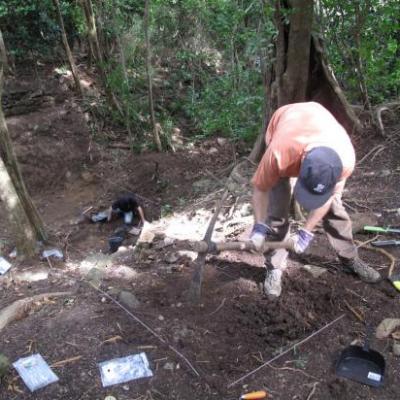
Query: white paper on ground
53, 253
125, 369
35, 372
4, 266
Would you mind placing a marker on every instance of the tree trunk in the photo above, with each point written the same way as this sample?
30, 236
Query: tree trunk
70, 57
14, 193
3, 55
24, 234
90, 19
156, 135
301, 72
127, 113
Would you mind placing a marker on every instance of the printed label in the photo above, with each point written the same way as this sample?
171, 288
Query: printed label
374, 376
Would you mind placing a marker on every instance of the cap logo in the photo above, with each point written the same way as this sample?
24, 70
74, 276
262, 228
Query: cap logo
319, 188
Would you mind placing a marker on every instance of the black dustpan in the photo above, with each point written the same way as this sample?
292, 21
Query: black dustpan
361, 364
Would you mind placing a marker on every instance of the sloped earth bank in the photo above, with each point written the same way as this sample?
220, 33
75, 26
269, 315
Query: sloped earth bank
234, 329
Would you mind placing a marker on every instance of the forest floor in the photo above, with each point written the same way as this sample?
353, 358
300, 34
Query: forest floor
235, 328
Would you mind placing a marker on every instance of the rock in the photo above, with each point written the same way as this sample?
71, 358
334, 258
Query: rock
396, 349
222, 141
161, 318
125, 387
386, 327
172, 258
128, 299
110, 398
87, 177
147, 235
246, 210
384, 173
169, 366
315, 271
95, 276
4, 365
213, 150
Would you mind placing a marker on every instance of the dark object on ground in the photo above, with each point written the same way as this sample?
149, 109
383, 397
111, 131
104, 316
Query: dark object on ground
114, 242
361, 364
117, 238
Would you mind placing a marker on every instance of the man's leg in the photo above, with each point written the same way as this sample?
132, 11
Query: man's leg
338, 227
278, 213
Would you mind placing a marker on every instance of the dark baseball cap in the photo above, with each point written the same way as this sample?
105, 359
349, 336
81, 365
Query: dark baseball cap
320, 170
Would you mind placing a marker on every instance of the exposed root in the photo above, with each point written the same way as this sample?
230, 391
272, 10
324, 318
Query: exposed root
382, 251
20, 308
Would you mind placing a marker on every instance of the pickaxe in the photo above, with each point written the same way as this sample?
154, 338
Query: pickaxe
206, 246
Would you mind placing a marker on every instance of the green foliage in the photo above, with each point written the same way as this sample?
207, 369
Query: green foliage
30, 26
377, 25
208, 56
220, 109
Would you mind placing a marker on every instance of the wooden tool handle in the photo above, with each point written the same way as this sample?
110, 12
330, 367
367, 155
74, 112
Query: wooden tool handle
202, 246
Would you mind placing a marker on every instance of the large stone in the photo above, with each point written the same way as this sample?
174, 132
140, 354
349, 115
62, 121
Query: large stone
128, 299
386, 327
396, 349
95, 276
315, 271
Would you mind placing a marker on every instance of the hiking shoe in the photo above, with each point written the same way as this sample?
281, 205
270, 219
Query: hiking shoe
363, 270
272, 283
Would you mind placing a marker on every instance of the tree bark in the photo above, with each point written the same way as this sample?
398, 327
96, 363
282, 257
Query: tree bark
3, 55
24, 234
301, 71
67, 48
127, 113
27, 223
156, 135
95, 48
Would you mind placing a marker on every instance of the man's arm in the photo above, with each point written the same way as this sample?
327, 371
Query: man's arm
315, 216
141, 214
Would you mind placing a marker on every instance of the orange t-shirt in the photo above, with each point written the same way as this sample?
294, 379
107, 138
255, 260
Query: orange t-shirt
295, 129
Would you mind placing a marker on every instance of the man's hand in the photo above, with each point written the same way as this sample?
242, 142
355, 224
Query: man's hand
258, 234
301, 240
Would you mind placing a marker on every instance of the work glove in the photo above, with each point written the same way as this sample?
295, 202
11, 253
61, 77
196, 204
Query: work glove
300, 240
258, 235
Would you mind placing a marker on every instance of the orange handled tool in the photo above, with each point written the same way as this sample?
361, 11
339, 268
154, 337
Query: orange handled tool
261, 394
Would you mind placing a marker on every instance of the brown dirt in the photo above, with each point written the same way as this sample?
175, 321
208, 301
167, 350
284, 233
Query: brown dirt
233, 330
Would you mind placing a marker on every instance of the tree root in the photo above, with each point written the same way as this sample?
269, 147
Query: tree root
20, 308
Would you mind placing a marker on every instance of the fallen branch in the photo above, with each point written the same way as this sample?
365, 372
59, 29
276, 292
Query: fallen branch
379, 148
64, 362
382, 251
286, 351
355, 313
218, 308
294, 370
20, 308
312, 391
